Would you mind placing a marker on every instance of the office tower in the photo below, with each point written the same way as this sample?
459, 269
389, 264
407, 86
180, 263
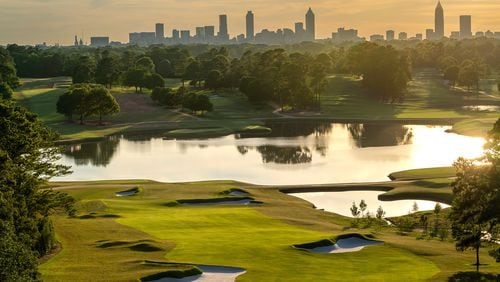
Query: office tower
185, 36
299, 32
430, 34
403, 36
419, 36
175, 36
455, 35
160, 32
223, 35
343, 35
310, 26
389, 35
479, 34
76, 41
465, 26
210, 33
200, 35
250, 26
99, 41
439, 22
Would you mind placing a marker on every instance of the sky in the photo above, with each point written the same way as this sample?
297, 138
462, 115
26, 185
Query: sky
58, 21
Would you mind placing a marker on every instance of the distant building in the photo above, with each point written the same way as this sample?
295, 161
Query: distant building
455, 35
142, 38
430, 34
223, 34
389, 35
419, 36
199, 37
300, 32
210, 33
438, 22
99, 41
160, 32
343, 35
185, 36
310, 26
479, 34
376, 37
176, 37
465, 26
403, 36
250, 26
241, 38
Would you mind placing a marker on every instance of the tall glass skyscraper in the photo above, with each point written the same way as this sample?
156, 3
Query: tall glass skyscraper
250, 26
310, 26
439, 22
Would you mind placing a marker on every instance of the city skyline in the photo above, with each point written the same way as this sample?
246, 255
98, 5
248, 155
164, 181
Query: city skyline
482, 19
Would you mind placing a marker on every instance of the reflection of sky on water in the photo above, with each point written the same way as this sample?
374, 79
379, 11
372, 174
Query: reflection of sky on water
341, 202
333, 155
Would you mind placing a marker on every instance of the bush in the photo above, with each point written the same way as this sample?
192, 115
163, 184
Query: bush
166, 97
197, 103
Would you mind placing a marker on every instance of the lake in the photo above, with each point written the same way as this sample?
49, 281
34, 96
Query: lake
295, 153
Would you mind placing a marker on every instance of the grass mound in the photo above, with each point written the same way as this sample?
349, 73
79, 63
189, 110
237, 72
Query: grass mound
96, 215
178, 274
425, 173
198, 133
146, 246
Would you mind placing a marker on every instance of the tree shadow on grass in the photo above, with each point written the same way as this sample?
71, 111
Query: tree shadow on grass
472, 276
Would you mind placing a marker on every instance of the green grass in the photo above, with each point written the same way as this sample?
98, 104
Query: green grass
475, 127
413, 174
258, 238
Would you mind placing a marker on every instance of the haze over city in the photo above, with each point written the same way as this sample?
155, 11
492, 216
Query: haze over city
57, 21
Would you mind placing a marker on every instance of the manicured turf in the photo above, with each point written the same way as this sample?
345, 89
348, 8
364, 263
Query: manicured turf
258, 239
414, 174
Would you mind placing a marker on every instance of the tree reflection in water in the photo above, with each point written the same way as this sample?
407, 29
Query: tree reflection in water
285, 155
96, 153
380, 135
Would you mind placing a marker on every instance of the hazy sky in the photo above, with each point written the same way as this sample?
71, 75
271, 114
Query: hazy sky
57, 21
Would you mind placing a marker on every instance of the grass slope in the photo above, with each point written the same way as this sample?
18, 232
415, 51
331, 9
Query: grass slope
258, 239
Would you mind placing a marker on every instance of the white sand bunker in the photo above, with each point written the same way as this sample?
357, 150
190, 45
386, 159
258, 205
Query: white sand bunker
344, 245
128, 193
238, 193
210, 274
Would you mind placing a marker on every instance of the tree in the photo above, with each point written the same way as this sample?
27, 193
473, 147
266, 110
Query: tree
146, 64
362, 207
476, 204
153, 81
102, 103
166, 97
414, 208
355, 210
8, 72
380, 213
27, 162
135, 78
5, 91
197, 103
468, 75
165, 69
214, 80
107, 72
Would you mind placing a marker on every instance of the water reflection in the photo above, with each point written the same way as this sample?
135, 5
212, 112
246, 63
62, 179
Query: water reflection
296, 153
380, 135
96, 154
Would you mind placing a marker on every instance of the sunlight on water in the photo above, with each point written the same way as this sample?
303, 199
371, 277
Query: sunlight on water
341, 202
293, 154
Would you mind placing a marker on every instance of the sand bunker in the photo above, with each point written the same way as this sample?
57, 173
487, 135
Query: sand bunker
344, 245
210, 274
127, 193
238, 194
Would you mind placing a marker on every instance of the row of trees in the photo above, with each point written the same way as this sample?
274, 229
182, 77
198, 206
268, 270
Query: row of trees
86, 100
8, 76
196, 103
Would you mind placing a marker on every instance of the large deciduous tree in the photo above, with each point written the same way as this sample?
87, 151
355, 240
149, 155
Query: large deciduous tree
476, 205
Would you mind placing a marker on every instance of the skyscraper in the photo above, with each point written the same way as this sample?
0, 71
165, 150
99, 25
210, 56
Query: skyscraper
439, 22
250, 26
389, 35
160, 32
223, 34
465, 26
310, 26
